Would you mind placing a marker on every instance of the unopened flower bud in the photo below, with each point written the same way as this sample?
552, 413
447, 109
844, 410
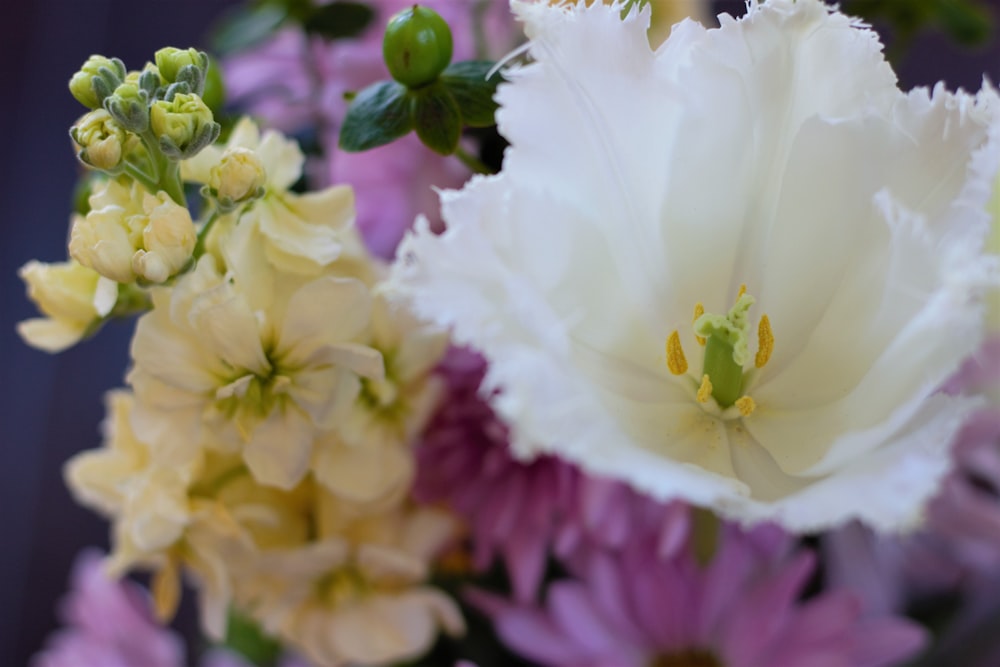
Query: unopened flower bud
170, 61
184, 125
130, 233
103, 142
417, 46
110, 71
168, 239
238, 177
130, 106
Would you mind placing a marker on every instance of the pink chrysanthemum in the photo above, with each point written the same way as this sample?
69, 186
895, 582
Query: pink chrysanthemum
516, 510
636, 607
463, 461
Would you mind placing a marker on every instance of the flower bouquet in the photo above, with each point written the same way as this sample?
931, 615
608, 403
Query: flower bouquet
572, 335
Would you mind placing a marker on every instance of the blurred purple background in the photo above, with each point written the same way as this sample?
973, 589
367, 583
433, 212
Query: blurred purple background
51, 405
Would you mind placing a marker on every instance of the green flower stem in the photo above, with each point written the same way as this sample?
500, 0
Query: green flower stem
705, 534
137, 174
199, 245
170, 182
726, 375
166, 172
476, 165
132, 300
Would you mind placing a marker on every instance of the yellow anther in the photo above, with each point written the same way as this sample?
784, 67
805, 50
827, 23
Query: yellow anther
676, 361
705, 390
699, 310
765, 342
743, 290
745, 405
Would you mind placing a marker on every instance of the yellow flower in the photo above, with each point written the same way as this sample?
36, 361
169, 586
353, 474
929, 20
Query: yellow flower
130, 233
71, 296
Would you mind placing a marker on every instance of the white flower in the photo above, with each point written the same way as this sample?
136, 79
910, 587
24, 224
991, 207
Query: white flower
356, 595
147, 502
368, 458
168, 238
71, 296
238, 175
774, 152
130, 233
258, 362
301, 233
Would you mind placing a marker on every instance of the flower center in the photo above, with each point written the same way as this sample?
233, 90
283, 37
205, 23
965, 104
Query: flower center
726, 342
250, 397
694, 657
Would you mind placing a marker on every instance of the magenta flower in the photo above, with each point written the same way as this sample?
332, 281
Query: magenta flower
520, 511
293, 81
636, 606
511, 508
108, 624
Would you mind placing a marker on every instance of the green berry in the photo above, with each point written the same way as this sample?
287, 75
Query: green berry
417, 46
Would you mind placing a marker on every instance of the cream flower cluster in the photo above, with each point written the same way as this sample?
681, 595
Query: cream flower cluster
734, 269
264, 443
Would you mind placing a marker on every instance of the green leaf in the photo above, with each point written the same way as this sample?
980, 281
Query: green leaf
437, 118
246, 27
338, 20
473, 92
245, 637
378, 115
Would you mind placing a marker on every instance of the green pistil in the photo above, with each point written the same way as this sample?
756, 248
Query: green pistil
726, 350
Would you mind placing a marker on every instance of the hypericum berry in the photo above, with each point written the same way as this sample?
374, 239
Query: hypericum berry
417, 46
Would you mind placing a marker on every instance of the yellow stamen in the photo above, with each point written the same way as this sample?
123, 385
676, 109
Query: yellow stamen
699, 310
745, 405
676, 361
743, 290
765, 342
705, 390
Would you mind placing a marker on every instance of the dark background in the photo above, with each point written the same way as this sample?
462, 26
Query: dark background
50, 406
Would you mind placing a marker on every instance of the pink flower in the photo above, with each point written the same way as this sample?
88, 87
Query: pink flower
511, 508
293, 81
519, 511
108, 624
638, 606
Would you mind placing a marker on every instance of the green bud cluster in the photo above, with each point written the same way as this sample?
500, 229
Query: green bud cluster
183, 124
96, 80
142, 123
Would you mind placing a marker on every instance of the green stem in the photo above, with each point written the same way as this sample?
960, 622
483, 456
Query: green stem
705, 534
479, 28
152, 152
199, 245
141, 176
131, 301
166, 172
170, 182
472, 162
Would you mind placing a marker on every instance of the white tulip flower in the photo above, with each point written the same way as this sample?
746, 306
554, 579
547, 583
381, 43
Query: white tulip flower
601, 272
